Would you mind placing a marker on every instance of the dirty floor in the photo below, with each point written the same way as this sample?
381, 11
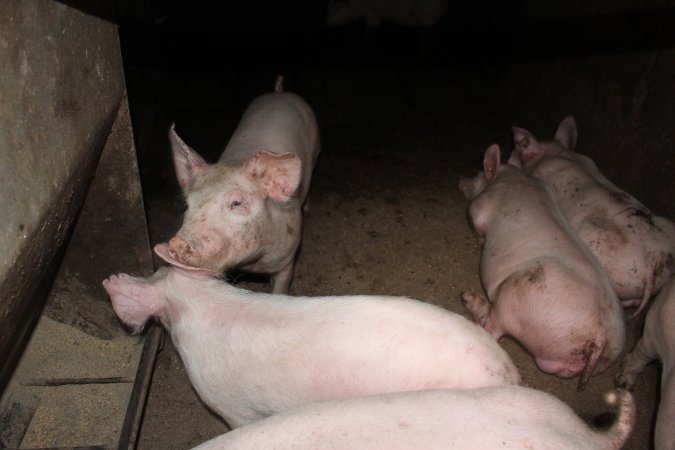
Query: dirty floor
385, 214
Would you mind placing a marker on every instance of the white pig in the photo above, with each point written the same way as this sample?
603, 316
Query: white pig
544, 286
657, 342
508, 417
252, 355
245, 210
634, 246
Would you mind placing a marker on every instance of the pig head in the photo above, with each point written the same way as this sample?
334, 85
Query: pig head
245, 210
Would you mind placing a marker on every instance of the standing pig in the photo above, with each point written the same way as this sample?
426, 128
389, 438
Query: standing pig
252, 355
245, 210
634, 246
657, 342
511, 417
544, 286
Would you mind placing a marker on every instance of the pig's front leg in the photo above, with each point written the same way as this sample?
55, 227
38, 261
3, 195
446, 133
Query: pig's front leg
635, 361
133, 299
281, 281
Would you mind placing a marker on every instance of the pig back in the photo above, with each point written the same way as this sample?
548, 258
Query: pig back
280, 123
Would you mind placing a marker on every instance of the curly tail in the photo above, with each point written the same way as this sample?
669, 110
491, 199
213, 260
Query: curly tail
623, 425
279, 84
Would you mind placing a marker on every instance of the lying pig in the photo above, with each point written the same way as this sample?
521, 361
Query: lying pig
252, 355
245, 210
657, 342
544, 286
634, 246
511, 417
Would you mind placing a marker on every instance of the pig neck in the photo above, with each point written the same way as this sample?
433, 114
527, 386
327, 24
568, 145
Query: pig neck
189, 294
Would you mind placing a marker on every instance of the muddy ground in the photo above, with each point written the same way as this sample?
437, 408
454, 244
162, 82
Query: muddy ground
386, 216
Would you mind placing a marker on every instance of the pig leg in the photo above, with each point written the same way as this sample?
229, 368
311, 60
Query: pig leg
482, 312
281, 280
133, 299
635, 361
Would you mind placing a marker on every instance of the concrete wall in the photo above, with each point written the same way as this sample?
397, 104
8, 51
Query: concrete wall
61, 82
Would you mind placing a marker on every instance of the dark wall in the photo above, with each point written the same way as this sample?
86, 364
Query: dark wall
623, 104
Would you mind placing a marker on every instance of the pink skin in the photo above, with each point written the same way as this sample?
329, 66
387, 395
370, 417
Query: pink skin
657, 343
513, 417
245, 210
634, 246
250, 355
544, 286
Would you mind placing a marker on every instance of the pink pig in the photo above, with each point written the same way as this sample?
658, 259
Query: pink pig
245, 210
250, 355
634, 246
544, 286
657, 342
512, 417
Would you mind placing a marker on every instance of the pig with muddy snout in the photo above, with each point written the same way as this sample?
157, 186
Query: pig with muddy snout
251, 355
544, 287
245, 210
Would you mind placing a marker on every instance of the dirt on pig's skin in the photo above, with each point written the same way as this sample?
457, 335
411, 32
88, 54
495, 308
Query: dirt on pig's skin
385, 217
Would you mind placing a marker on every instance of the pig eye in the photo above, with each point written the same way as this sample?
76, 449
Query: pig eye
234, 204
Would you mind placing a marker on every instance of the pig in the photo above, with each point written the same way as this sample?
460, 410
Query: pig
544, 286
657, 342
250, 355
634, 246
512, 417
245, 210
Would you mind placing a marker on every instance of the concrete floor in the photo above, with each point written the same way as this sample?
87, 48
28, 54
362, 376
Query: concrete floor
386, 216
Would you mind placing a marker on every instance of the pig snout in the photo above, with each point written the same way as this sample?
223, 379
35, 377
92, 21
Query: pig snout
183, 252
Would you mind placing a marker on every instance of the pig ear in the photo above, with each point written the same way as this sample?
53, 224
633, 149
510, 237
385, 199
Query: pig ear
186, 161
567, 133
491, 162
526, 146
278, 173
